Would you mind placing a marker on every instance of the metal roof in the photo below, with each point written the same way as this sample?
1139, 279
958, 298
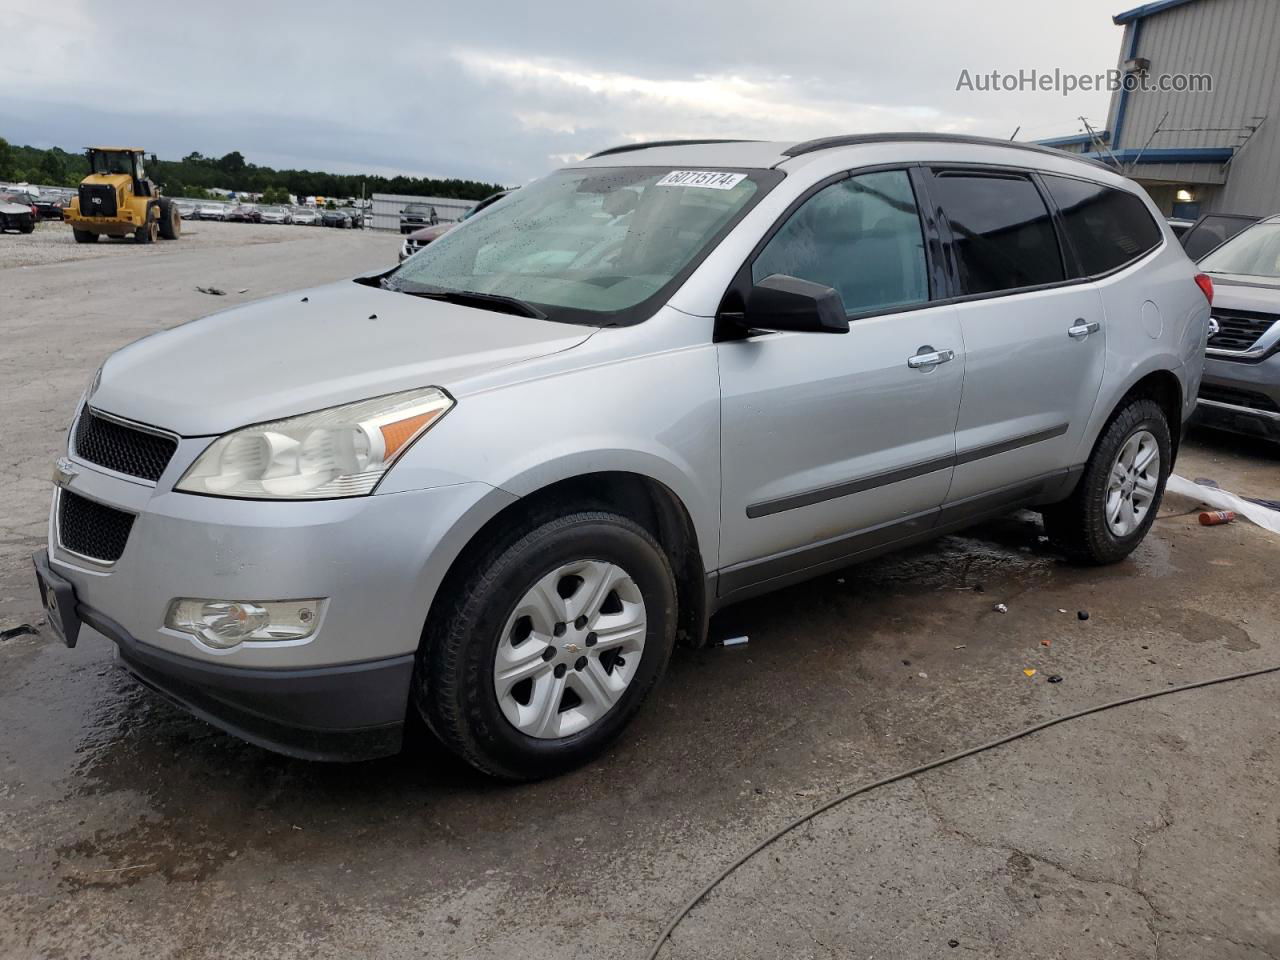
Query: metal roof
1147, 9
120, 149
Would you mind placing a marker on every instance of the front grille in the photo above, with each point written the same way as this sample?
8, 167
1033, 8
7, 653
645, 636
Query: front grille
91, 529
97, 200
1240, 329
122, 449
1238, 398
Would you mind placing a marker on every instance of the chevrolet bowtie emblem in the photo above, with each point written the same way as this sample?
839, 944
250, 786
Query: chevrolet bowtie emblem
64, 471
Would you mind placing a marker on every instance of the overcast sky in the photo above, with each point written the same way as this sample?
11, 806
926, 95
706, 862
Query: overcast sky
509, 89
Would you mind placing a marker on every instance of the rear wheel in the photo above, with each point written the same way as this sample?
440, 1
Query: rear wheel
1117, 498
84, 236
550, 646
170, 219
27, 226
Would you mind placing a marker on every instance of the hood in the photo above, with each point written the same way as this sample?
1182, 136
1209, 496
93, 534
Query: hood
427, 234
1233, 291
311, 349
12, 206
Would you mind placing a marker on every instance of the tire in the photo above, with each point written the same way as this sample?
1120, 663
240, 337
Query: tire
27, 227
148, 232
456, 680
1085, 526
84, 236
170, 219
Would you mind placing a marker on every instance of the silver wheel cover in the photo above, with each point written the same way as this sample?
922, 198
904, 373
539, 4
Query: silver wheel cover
1132, 483
570, 649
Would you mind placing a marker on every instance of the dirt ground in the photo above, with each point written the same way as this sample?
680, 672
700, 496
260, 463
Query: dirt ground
128, 829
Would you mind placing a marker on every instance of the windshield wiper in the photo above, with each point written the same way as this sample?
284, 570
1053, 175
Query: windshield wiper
471, 298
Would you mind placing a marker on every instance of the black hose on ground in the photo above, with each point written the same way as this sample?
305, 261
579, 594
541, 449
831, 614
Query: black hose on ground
932, 765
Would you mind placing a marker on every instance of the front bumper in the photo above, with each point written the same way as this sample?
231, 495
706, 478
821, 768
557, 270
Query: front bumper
1241, 397
353, 711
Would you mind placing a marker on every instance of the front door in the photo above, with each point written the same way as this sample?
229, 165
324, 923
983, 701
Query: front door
835, 441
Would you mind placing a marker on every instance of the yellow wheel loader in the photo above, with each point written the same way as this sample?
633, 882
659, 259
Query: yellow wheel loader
117, 200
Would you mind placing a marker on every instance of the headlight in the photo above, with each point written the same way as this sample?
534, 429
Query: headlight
337, 452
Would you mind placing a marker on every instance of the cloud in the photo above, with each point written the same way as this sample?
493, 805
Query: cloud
506, 90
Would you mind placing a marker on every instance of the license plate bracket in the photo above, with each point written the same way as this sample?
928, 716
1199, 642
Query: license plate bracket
59, 599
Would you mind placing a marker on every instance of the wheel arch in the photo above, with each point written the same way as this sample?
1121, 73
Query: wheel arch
1158, 379
637, 496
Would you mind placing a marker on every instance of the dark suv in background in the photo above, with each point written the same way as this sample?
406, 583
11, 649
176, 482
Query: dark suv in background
1241, 387
415, 216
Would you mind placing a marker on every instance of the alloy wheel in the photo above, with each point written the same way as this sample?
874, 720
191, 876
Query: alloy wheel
1132, 483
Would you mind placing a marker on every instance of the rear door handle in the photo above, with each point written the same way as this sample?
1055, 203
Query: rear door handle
923, 361
1081, 329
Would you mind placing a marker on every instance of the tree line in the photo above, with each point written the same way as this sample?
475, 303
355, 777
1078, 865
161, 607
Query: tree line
195, 174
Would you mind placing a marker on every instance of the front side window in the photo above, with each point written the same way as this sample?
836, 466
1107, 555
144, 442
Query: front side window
587, 245
1001, 231
1107, 228
859, 236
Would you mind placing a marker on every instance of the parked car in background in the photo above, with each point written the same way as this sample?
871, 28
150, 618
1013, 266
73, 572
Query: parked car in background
417, 215
1240, 391
1213, 229
420, 238
17, 212
336, 218
274, 214
645, 387
245, 213
307, 216
212, 211
356, 215
49, 206
186, 209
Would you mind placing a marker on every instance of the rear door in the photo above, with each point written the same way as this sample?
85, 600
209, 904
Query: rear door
1034, 340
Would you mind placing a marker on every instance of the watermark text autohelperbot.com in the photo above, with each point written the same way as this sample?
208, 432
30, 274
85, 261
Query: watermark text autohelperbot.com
1065, 83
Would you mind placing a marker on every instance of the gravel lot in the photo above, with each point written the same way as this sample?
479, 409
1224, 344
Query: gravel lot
53, 243
131, 830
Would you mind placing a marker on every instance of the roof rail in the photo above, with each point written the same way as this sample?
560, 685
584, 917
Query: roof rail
856, 139
628, 147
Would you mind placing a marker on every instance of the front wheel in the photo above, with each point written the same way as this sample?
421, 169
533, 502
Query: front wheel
1117, 498
550, 646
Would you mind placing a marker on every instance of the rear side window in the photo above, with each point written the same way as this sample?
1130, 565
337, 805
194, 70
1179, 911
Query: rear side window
1107, 228
861, 237
1001, 231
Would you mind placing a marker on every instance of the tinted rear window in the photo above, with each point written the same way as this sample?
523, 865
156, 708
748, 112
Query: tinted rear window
1001, 230
1106, 228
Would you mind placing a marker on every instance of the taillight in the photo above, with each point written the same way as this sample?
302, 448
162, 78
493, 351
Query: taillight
1206, 286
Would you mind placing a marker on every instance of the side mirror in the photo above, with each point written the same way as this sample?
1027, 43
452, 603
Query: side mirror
780, 302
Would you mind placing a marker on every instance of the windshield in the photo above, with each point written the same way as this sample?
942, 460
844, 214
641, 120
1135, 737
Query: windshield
588, 246
1254, 252
111, 162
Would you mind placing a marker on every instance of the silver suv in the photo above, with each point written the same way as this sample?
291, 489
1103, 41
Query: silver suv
498, 483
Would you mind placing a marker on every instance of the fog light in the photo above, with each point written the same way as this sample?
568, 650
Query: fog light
227, 623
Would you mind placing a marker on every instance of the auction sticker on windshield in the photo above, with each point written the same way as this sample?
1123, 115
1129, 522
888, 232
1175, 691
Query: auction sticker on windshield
713, 179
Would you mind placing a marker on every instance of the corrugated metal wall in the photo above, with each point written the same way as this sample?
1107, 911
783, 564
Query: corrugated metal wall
387, 207
1238, 43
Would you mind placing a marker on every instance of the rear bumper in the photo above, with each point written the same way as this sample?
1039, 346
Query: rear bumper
353, 711
1241, 397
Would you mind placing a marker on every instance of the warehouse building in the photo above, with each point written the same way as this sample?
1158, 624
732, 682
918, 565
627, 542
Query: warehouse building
1197, 151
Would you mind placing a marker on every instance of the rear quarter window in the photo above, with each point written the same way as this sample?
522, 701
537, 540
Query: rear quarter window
1106, 228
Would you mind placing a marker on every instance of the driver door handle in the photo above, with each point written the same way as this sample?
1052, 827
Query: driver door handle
1080, 329
923, 361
